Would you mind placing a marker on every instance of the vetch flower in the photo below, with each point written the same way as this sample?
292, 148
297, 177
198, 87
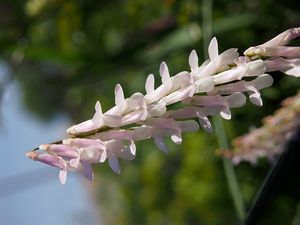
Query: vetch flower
215, 87
218, 104
89, 125
288, 66
269, 140
192, 112
216, 62
281, 58
251, 87
276, 46
162, 127
52, 160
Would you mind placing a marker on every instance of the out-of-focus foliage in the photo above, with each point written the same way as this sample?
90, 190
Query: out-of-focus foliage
184, 187
68, 54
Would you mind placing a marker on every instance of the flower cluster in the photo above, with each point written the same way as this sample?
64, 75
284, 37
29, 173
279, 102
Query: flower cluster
280, 57
270, 139
212, 88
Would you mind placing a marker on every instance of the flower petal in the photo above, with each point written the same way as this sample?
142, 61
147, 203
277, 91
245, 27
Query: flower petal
157, 109
288, 66
176, 138
254, 96
63, 176
114, 164
119, 96
125, 153
230, 75
236, 100
205, 123
97, 118
160, 144
60, 150
225, 113
103, 157
293, 71
91, 154
179, 95
49, 159
134, 117
74, 163
112, 120
255, 68
150, 82
83, 127
87, 170
84, 142
165, 75
141, 133
213, 51
283, 38
227, 57
188, 126
132, 147
261, 82
204, 84
193, 60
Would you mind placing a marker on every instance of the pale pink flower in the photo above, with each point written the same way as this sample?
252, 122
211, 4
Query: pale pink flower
283, 38
215, 87
282, 58
164, 127
243, 69
276, 46
289, 66
192, 112
251, 87
269, 140
51, 160
216, 62
215, 104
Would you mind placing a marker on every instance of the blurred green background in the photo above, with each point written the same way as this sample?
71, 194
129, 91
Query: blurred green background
67, 54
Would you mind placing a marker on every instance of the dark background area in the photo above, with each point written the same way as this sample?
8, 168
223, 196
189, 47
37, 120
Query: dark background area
66, 55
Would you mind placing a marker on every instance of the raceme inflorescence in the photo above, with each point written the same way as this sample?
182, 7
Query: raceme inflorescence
271, 139
212, 88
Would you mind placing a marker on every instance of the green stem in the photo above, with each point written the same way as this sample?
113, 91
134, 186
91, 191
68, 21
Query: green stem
207, 8
207, 25
229, 170
296, 219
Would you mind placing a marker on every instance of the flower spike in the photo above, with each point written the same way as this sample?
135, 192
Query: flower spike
215, 87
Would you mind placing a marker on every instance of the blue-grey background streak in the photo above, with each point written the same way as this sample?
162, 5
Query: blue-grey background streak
30, 193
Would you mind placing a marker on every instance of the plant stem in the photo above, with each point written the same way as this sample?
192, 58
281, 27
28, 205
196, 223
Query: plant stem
229, 170
207, 6
207, 25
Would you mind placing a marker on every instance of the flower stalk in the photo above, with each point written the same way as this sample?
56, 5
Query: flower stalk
229, 171
212, 88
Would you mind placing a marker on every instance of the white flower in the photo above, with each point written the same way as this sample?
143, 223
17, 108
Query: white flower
214, 104
165, 127
89, 125
251, 87
283, 38
52, 160
116, 149
276, 46
244, 68
212, 88
288, 66
216, 63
